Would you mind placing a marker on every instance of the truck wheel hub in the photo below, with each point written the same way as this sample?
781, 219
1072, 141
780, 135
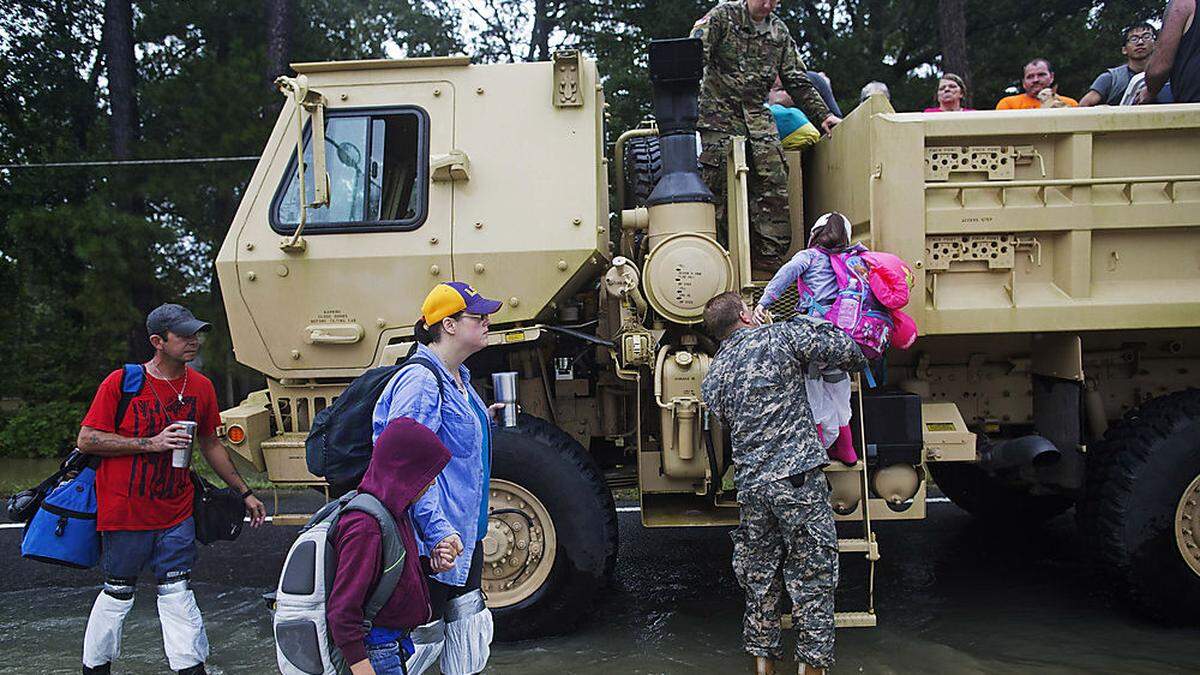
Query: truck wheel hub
1187, 525
519, 546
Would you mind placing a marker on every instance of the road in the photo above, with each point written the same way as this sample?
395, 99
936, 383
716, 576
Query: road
952, 595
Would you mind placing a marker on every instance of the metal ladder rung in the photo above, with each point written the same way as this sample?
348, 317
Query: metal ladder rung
858, 545
841, 620
855, 619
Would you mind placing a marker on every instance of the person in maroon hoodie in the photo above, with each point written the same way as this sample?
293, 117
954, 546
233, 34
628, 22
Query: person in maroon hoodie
406, 459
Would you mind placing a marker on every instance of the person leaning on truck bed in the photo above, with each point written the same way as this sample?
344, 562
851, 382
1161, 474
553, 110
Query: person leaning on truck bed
1110, 87
1176, 56
1039, 75
786, 535
745, 47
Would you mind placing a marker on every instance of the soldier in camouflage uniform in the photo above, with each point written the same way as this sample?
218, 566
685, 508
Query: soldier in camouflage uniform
786, 538
745, 47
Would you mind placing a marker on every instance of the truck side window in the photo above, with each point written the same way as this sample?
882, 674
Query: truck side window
378, 168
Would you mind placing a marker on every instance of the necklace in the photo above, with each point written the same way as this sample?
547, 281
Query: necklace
179, 392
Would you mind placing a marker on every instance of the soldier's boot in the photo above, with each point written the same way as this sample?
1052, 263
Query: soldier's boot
764, 665
806, 669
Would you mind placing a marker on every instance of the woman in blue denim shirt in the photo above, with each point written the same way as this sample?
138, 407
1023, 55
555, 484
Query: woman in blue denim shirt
451, 518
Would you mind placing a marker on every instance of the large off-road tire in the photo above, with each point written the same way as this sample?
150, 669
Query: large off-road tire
643, 168
975, 491
1142, 507
551, 544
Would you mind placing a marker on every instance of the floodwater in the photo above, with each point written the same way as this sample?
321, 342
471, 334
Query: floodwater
952, 596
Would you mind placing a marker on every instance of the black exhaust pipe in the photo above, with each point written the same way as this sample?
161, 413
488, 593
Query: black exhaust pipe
1032, 450
676, 67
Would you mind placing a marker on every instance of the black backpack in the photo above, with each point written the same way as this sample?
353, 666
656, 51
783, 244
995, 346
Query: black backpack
338, 447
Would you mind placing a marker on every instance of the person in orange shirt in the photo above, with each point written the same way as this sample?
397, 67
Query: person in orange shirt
1039, 75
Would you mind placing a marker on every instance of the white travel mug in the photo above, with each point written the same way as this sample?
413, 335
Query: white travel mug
505, 389
181, 458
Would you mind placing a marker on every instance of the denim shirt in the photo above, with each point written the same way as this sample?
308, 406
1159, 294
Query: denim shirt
452, 505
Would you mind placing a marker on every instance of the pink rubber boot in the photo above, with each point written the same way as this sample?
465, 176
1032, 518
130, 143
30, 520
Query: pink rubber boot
843, 448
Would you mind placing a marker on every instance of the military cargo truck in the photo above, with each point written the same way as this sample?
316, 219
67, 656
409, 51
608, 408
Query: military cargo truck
1057, 264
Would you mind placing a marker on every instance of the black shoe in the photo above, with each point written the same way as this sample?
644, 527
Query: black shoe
197, 669
98, 670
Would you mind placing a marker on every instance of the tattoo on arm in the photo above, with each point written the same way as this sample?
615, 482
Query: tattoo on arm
106, 444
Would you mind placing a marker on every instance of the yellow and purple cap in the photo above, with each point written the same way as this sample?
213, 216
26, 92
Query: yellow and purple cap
451, 297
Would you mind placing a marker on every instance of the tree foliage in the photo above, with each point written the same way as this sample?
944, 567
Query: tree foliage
84, 252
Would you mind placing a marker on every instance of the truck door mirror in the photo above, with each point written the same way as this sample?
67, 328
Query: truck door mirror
308, 101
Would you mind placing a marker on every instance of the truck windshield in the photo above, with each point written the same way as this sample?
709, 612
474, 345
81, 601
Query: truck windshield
378, 168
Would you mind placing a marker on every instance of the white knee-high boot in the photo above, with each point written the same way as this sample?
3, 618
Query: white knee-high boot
184, 639
102, 639
468, 635
427, 646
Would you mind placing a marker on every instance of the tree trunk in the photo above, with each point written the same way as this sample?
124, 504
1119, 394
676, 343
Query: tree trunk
952, 31
117, 40
279, 39
539, 41
118, 55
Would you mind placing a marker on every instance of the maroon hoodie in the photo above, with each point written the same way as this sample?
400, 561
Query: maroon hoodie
407, 457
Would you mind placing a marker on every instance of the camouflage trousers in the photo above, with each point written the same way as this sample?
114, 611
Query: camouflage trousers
770, 226
787, 539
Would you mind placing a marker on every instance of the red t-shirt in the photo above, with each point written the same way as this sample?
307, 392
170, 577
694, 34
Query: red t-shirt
143, 491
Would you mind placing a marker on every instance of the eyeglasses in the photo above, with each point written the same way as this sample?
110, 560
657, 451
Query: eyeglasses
481, 318
1141, 39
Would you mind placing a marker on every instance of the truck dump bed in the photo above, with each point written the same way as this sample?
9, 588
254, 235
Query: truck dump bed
1020, 221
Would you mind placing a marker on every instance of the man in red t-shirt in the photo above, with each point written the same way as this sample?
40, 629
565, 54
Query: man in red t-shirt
144, 504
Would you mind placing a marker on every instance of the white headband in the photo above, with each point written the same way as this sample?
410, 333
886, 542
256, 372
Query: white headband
823, 221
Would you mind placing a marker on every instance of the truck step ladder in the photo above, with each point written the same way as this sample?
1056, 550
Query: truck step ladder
866, 544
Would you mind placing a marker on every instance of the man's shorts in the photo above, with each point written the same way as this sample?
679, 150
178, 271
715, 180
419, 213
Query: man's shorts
169, 553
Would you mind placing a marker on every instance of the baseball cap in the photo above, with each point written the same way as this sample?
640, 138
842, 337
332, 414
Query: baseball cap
176, 319
451, 297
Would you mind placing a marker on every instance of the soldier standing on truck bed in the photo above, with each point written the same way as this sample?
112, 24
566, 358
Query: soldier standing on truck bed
786, 535
745, 47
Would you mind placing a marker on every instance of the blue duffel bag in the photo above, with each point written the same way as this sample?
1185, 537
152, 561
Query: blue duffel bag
63, 530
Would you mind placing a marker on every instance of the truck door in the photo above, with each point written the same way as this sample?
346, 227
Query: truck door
369, 257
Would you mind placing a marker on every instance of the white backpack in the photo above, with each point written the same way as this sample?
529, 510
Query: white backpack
302, 642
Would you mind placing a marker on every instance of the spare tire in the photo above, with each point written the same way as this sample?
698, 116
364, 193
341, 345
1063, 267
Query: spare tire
643, 168
551, 544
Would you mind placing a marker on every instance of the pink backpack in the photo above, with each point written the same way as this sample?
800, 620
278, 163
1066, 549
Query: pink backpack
854, 308
890, 278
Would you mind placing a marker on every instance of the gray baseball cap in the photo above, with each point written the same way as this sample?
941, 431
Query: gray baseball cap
176, 319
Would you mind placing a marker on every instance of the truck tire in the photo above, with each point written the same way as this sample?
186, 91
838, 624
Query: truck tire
551, 544
1142, 499
975, 491
643, 168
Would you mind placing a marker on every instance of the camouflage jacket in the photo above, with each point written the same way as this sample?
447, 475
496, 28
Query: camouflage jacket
740, 65
756, 387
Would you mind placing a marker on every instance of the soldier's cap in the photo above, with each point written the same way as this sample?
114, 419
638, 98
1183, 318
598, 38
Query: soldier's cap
176, 319
451, 297
825, 221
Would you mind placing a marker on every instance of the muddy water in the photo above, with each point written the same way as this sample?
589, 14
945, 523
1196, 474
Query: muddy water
953, 597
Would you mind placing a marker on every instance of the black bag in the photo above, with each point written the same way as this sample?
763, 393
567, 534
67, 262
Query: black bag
219, 513
338, 447
23, 505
